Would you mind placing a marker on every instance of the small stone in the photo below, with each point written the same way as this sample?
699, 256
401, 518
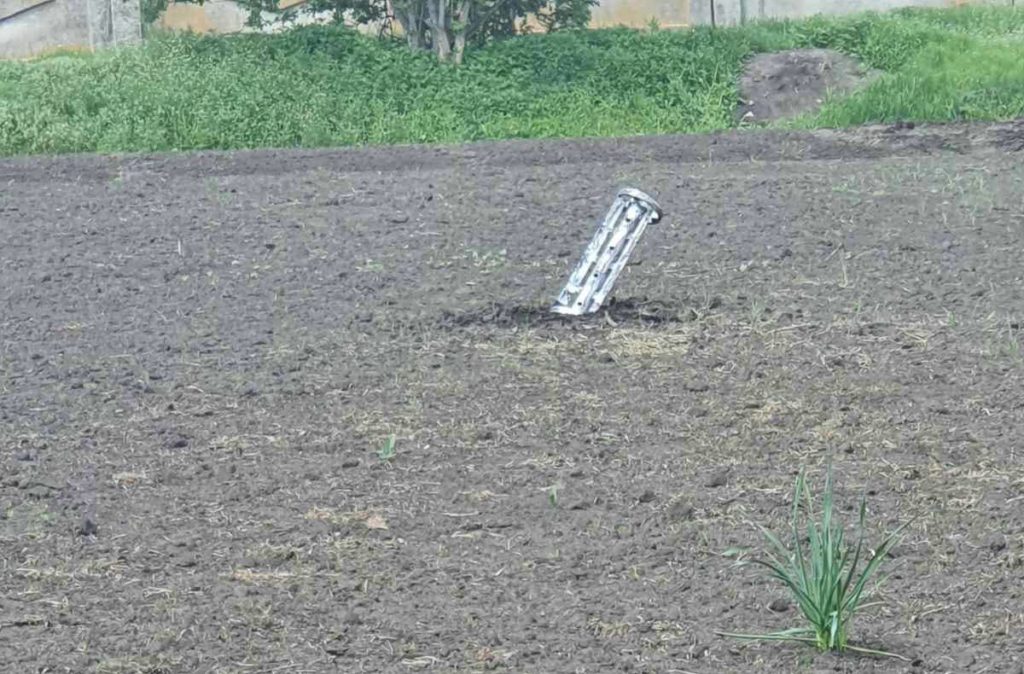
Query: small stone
41, 486
350, 463
647, 496
718, 478
337, 648
996, 542
779, 605
88, 527
681, 509
398, 218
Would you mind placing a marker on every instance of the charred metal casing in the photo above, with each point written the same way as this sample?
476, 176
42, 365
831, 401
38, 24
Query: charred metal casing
607, 253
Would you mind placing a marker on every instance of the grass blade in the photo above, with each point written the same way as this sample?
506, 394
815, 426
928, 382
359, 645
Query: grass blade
826, 575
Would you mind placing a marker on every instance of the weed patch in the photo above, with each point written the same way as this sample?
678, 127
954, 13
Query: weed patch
826, 576
328, 86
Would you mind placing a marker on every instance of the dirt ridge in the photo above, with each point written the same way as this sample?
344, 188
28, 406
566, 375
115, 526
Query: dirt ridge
868, 142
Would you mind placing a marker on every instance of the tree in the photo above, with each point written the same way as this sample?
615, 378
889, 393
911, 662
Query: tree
445, 27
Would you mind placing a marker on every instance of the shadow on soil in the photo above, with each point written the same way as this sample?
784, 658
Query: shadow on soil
636, 311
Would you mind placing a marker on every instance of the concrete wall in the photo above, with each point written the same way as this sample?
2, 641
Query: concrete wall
36, 27
732, 12
638, 13
32, 27
214, 16
225, 16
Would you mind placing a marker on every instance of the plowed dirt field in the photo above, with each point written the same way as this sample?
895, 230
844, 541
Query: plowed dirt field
201, 355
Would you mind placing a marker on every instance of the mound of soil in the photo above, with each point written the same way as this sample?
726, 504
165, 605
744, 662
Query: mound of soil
790, 83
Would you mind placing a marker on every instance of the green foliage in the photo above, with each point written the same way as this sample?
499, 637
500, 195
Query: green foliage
151, 10
387, 451
329, 86
979, 81
826, 575
563, 14
429, 23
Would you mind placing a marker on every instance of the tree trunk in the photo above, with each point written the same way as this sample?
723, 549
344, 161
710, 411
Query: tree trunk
460, 47
410, 17
414, 35
439, 23
462, 28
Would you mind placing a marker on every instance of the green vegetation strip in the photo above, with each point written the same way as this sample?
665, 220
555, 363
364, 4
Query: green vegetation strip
323, 86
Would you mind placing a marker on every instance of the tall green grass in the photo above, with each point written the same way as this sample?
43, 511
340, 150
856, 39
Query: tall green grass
980, 82
322, 86
826, 573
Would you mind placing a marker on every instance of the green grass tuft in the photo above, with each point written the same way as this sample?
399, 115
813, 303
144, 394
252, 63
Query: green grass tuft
977, 82
827, 576
326, 86
387, 451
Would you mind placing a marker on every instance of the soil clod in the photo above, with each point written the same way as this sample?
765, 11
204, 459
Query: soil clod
718, 478
996, 542
88, 527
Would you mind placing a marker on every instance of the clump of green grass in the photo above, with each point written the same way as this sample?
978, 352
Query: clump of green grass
975, 82
387, 451
328, 86
827, 577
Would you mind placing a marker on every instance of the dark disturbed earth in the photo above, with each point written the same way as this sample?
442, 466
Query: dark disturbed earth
201, 356
778, 85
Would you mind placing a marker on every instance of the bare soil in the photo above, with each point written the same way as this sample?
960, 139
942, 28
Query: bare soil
791, 83
202, 354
